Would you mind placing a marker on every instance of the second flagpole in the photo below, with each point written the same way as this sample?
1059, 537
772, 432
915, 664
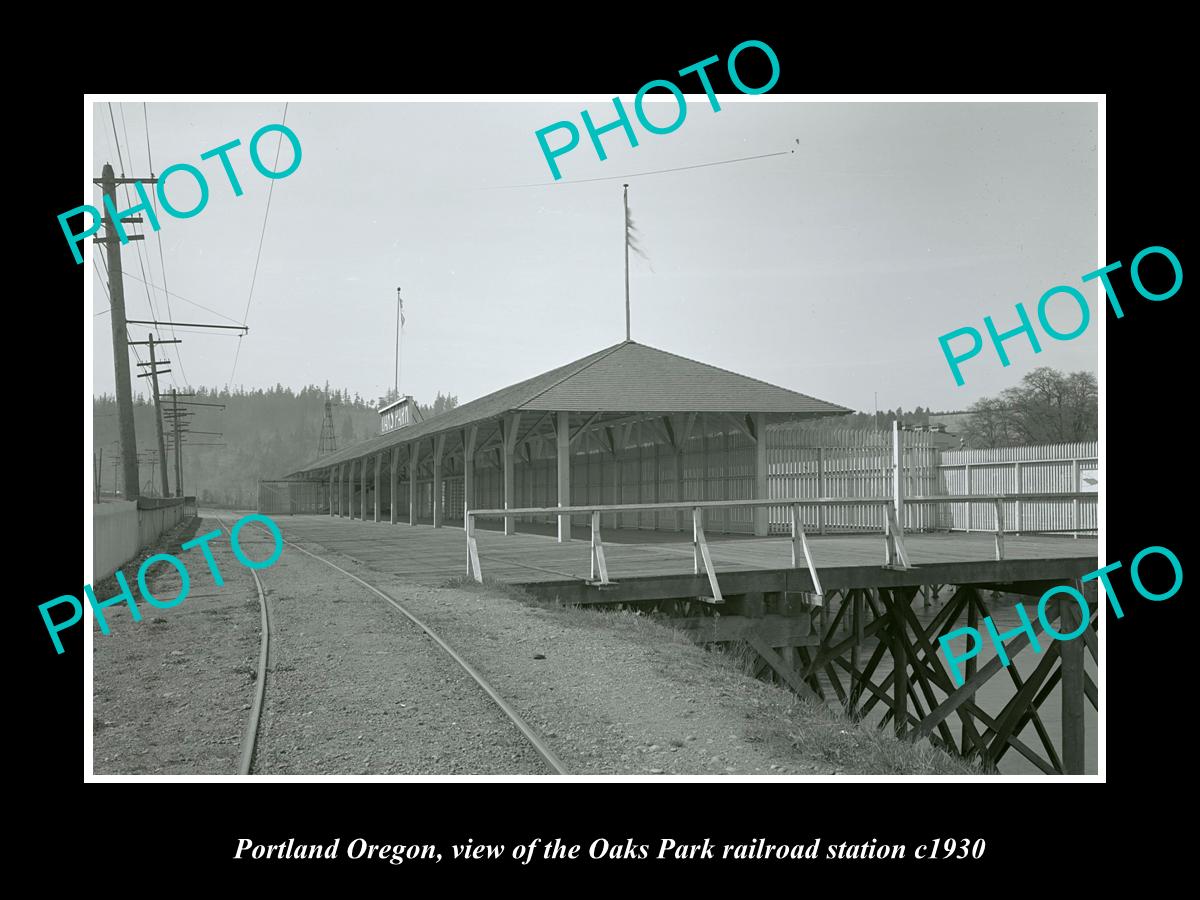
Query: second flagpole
627, 262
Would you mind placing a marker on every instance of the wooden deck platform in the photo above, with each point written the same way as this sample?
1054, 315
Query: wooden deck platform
654, 565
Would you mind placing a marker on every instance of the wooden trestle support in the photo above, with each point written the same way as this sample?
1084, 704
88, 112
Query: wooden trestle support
819, 652
814, 642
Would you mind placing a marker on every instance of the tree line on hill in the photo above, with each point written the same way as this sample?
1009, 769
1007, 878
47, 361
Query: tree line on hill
269, 433
265, 433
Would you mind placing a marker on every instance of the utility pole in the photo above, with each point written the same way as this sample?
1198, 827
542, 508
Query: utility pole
179, 429
158, 415
124, 390
158, 426
178, 442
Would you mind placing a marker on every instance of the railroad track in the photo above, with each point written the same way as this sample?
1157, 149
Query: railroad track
251, 736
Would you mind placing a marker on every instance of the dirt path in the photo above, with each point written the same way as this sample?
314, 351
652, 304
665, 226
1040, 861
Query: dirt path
614, 694
353, 687
171, 693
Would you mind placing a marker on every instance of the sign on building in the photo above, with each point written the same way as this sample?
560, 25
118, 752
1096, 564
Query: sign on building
396, 415
1089, 478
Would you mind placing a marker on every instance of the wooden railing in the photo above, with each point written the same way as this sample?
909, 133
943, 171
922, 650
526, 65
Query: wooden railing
894, 550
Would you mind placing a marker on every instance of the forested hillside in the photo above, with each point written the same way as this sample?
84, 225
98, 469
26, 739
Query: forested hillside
266, 433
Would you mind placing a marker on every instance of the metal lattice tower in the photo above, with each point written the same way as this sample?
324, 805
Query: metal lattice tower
328, 443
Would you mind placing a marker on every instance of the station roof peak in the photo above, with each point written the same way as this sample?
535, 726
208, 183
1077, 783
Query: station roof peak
627, 377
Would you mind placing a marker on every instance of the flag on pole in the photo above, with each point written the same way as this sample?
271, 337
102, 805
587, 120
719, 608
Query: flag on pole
400, 300
633, 238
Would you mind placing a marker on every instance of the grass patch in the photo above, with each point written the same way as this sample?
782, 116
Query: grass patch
862, 749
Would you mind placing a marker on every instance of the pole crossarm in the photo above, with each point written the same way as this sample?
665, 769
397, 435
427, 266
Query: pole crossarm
157, 324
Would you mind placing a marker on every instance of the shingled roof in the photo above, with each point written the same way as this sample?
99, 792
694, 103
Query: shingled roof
627, 377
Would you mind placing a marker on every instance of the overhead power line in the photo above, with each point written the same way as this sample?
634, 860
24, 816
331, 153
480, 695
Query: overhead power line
261, 236
158, 236
721, 162
185, 299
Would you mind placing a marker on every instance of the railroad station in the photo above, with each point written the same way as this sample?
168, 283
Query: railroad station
628, 424
570, 484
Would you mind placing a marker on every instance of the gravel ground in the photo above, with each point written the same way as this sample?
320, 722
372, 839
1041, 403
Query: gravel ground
171, 693
353, 687
613, 694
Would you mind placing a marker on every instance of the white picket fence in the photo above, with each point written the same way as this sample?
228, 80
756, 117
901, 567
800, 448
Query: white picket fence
811, 462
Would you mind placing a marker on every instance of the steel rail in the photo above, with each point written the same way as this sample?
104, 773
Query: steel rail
530, 734
250, 738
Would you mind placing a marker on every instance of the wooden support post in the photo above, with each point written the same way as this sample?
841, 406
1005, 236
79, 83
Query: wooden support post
1073, 739
999, 504
599, 563
562, 429
473, 568
797, 530
1020, 490
332, 482
855, 687
761, 513
394, 487
800, 546
378, 492
967, 479
363, 478
508, 443
898, 470
620, 437
972, 666
469, 438
900, 659
1075, 500
821, 488
350, 490
895, 552
414, 459
439, 450
701, 551
680, 514
341, 482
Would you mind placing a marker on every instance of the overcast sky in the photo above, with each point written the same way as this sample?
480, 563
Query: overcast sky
830, 270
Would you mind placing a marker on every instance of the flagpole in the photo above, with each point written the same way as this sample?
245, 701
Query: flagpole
397, 384
627, 262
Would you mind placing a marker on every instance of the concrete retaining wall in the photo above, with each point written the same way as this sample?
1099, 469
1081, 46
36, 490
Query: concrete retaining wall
121, 528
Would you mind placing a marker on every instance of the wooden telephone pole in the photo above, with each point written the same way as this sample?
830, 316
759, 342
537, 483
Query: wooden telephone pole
158, 425
116, 289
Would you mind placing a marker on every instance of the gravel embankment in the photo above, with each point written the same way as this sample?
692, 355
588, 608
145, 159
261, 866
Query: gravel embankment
613, 694
355, 688
171, 693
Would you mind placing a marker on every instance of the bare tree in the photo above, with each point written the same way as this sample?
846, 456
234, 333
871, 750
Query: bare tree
1048, 406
